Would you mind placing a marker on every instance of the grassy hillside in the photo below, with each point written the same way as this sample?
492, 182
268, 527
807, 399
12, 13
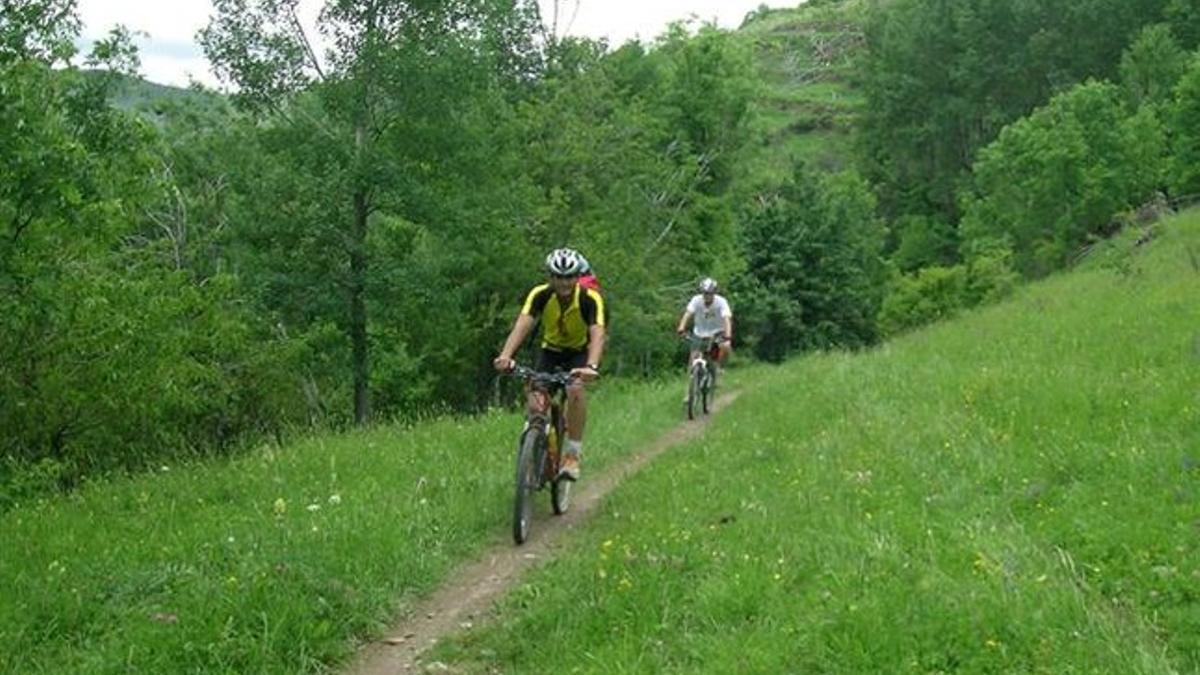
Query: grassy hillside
1016, 491
808, 103
275, 561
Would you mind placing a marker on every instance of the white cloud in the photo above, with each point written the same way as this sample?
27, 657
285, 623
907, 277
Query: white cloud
169, 52
621, 20
172, 21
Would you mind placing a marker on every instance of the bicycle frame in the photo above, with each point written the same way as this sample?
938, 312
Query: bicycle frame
539, 453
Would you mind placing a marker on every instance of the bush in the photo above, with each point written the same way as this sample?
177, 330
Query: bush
1055, 179
936, 292
931, 294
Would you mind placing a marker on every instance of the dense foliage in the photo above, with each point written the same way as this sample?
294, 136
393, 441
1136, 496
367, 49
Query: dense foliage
348, 238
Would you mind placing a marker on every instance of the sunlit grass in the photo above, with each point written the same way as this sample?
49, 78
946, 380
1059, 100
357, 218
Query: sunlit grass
1016, 491
272, 562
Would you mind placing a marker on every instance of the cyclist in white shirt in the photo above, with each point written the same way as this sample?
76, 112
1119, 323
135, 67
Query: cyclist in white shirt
711, 317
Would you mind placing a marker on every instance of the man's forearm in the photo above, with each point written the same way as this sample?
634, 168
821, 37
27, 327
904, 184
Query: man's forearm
595, 345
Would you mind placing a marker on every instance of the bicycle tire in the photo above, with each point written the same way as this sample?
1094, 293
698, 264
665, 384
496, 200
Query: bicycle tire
560, 495
525, 483
560, 490
693, 392
705, 393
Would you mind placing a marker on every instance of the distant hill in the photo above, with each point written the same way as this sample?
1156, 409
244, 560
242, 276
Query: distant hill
806, 58
152, 99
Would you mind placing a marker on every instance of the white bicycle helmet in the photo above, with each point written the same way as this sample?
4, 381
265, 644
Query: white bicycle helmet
564, 262
708, 285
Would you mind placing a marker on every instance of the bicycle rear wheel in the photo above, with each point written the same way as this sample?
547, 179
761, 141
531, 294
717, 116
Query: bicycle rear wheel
525, 484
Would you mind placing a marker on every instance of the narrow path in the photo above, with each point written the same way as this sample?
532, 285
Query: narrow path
473, 588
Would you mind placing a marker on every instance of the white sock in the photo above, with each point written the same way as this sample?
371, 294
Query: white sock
574, 447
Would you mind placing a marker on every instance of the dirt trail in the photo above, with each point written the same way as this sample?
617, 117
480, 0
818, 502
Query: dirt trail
472, 588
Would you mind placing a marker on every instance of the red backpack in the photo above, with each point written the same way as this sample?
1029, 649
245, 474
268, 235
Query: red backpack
589, 280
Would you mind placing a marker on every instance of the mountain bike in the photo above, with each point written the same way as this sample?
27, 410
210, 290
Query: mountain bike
539, 455
702, 374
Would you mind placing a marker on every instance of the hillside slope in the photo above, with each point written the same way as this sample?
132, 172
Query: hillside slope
1014, 491
808, 102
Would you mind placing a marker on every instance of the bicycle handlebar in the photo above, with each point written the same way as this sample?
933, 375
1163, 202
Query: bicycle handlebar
560, 378
690, 338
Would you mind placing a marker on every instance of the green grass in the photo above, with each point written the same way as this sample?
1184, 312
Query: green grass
275, 561
1015, 491
807, 107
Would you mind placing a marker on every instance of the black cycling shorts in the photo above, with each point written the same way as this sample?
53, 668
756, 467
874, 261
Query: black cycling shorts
553, 360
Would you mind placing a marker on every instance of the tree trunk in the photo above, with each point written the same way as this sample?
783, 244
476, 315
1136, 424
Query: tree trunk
358, 308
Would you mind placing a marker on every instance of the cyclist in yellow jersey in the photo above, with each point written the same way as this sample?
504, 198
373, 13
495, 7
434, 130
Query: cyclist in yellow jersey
572, 340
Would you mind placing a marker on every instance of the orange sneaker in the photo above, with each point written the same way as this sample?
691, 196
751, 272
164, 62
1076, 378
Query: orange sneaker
570, 468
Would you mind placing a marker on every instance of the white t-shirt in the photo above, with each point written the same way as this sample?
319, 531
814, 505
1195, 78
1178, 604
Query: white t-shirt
708, 320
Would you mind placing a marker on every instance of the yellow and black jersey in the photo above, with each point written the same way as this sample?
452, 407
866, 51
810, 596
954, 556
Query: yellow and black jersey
565, 327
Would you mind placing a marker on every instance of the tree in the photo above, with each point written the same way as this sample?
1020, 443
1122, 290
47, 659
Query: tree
1152, 65
943, 77
1058, 177
111, 355
38, 30
370, 123
1185, 137
815, 275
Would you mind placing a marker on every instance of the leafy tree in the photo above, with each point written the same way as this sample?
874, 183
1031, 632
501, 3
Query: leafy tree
943, 77
1184, 17
1152, 65
1058, 177
378, 117
38, 30
628, 154
815, 277
923, 241
1185, 137
118, 345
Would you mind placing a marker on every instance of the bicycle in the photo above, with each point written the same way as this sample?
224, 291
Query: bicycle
702, 374
539, 455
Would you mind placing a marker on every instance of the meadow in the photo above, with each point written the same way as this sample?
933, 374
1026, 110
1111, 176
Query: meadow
279, 561
1016, 490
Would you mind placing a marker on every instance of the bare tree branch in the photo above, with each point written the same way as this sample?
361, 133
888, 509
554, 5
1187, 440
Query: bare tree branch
704, 160
302, 37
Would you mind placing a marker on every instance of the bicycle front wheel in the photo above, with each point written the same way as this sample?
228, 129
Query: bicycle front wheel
710, 387
560, 490
525, 483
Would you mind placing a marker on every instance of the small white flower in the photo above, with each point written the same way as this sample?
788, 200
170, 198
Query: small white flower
165, 467
335, 499
230, 539
313, 508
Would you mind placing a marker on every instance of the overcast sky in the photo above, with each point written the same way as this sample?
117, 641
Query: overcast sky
170, 54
